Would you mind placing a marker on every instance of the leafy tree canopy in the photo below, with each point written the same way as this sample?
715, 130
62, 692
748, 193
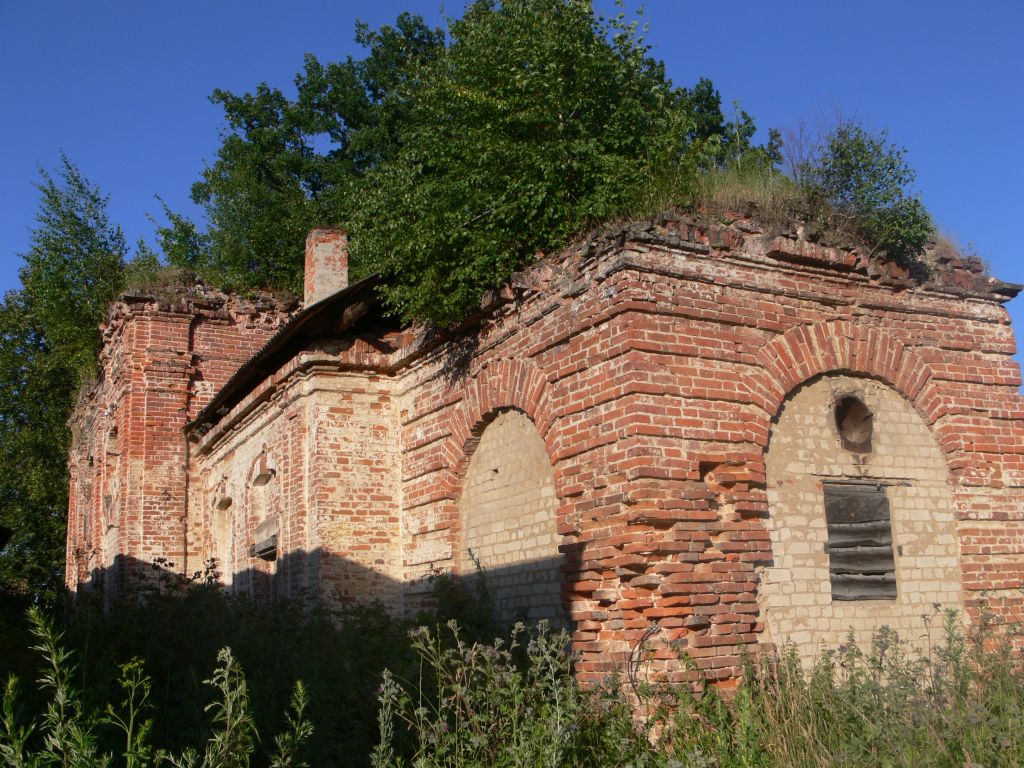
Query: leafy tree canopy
74, 266
281, 160
453, 155
49, 338
37, 390
537, 119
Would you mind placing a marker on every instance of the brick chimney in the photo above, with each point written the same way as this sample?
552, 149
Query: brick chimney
326, 264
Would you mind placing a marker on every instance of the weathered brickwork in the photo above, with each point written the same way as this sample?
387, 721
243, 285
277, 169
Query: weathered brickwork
162, 361
332, 499
670, 371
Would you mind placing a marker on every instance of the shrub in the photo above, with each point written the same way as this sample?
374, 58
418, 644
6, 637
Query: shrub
953, 703
68, 733
129, 690
174, 636
857, 183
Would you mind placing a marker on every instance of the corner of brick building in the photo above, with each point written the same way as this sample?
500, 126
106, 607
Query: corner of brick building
655, 364
163, 358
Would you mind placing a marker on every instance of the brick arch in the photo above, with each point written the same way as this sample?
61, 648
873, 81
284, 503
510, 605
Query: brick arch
507, 513
807, 351
502, 386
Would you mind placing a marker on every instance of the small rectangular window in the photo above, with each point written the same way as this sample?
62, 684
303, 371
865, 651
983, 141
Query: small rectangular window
861, 565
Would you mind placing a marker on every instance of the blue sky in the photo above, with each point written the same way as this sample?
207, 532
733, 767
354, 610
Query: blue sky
122, 87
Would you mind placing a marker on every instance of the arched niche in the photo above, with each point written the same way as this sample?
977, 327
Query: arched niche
222, 533
508, 520
861, 517
262, 526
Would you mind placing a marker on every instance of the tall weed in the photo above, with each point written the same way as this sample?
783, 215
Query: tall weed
69, 733
512, 703
957, 702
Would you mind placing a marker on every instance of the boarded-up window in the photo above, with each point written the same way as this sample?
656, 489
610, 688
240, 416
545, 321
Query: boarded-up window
860, 557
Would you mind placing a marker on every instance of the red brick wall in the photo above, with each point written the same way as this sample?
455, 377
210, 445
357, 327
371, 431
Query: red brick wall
161, 363
653, 372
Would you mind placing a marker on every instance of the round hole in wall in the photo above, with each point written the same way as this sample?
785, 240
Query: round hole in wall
854, 423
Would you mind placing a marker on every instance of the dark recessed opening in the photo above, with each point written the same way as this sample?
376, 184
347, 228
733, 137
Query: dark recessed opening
854, 423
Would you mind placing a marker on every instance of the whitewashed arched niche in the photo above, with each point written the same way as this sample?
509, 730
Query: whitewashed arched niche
508, 520
222, 532
844, 452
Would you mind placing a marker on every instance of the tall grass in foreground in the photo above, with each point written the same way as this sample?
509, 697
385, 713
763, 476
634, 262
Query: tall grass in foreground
515, 702
68, 733
955, 704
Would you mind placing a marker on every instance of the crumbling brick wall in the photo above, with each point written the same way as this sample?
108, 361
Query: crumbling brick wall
330, 438
162, 360
655, 365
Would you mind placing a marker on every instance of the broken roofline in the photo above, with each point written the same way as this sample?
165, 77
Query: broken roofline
352, 302
670, 228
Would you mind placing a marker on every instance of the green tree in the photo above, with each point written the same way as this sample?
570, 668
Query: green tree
453, 155
862, 184
74, 266
538, 119
49, 338
36, 393
729, 139
281, 160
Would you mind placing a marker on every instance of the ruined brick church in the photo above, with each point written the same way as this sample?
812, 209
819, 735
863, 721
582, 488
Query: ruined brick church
731, 435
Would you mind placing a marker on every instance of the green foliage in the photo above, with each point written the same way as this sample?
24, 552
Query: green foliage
68, 729
177, 635
953, 703
37, 390
859, 183
727, 141
453, 159
955, 700
74, 265
291, 742
503, 704
234, 737
69, 734
538, 119
282, 162
141, 680
130, 718
49, 338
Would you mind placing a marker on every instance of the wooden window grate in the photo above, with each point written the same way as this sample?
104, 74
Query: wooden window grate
861, 565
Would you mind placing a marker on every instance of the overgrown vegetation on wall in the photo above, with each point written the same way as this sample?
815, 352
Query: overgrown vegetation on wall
151, 685
455, 155
846, 184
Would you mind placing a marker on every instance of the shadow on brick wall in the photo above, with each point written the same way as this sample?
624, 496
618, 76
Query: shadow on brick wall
528, 591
